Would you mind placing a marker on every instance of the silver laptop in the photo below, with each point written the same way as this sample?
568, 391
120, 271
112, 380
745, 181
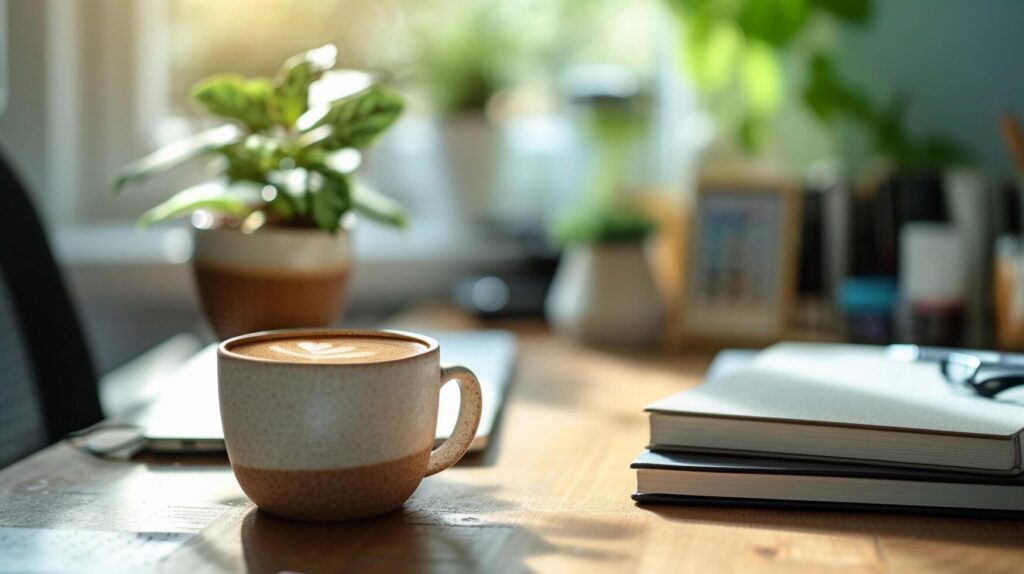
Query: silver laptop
186, 418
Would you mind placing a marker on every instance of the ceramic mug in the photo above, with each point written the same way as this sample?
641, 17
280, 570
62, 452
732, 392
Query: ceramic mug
329, 441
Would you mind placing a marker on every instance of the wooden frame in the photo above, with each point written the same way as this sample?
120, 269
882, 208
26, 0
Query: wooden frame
740, 270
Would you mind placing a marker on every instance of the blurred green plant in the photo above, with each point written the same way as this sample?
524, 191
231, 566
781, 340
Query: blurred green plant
480, 47
283, 155
466, 51
614, 127
734, 48
463, 64
602, 224
831, 98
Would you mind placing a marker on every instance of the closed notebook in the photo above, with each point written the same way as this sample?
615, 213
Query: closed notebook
702, 478
818, 401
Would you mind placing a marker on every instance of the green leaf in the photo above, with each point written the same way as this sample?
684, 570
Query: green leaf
177, 153
602, 225
940, 151
761, 76
711, 54
357, 120
291, 88
329, 203
828, 96
831, 97
890, 133
291, 94
378, 207
818, 94
857, 11
776, 22
234, 97
753, 132
283, 205
251, 158
209, 196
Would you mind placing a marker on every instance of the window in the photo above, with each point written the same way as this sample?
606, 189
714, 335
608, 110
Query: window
118, 73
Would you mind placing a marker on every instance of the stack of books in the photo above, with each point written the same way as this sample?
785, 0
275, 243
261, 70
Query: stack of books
833, 427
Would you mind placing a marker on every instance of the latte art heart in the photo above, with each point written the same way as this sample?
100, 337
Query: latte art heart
352, 349
313, 350
313, 347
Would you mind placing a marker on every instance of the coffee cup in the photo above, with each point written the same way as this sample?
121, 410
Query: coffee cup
329, 424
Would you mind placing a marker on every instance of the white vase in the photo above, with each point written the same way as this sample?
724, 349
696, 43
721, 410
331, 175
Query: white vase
605, 294
470, 147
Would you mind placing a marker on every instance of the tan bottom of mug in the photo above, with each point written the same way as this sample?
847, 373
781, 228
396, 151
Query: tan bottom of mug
241, 300
334, 495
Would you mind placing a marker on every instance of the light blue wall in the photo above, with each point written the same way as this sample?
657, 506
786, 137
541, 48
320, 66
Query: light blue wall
962, 61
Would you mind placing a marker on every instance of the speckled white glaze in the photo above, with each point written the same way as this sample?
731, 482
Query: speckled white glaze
302, 416
306, 418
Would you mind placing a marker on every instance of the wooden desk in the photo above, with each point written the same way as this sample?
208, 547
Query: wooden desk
552, 494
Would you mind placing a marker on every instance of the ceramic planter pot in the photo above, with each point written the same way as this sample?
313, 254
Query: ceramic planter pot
470, 147
605, 294
275, 278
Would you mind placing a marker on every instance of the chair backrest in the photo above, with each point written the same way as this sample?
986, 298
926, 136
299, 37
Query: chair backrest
47, 381
22, 426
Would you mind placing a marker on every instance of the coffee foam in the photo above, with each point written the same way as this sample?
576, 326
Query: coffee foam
330, 349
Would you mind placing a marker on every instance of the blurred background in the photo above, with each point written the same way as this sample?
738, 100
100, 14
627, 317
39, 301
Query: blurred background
888, 124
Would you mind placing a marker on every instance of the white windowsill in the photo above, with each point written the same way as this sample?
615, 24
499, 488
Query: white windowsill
391, 266
124, 244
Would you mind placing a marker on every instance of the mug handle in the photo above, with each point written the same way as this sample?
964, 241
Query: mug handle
470, 405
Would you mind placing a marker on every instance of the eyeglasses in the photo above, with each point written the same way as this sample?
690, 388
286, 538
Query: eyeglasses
985, 378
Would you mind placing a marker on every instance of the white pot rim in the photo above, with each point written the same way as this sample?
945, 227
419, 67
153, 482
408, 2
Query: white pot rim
280, 248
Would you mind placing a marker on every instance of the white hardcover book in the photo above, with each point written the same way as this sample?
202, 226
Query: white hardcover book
807, 400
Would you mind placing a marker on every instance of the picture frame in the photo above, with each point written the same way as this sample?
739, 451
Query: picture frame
739, 283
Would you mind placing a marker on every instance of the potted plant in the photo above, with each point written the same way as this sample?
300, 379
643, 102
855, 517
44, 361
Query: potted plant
270, 247
463, 59
468, 54
604, 291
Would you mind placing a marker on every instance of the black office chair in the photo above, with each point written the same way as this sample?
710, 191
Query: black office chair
47, 382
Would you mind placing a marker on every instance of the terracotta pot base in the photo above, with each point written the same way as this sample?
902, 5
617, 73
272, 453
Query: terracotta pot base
239, 300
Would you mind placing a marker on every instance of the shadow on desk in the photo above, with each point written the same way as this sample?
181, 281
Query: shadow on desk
948, 529
452, 526
219, 461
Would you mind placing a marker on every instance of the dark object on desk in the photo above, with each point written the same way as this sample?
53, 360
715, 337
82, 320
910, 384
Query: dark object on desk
698, 478
904, 197
867, 304
932, 324
48, 387
505, 295
811, 275
823, 252
874, 266
517, 292
987, 373
935, 282
929, 354
988, 379
1006, 210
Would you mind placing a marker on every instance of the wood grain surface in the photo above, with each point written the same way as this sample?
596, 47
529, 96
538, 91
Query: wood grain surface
551, 494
